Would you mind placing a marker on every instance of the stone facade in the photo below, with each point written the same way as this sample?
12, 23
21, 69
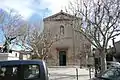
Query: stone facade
72, 48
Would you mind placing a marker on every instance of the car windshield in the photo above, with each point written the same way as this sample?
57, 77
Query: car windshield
112, 74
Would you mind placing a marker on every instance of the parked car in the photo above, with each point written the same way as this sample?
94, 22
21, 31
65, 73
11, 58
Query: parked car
112, 64
23, 70
112, 73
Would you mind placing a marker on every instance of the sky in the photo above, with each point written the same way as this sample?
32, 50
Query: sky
33, 10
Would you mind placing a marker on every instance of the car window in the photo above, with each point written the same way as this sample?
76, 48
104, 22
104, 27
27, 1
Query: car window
112, 74
9, 72
31, 71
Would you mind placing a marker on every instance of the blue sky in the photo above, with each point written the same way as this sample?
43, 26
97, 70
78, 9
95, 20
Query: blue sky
34, 9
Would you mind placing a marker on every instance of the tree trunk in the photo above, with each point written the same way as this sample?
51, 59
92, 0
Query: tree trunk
103, 61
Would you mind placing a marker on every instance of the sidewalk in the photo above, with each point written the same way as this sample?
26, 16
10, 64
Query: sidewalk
65, 73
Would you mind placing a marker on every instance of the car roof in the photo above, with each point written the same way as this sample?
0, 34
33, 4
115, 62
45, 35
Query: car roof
112, 62
19, 62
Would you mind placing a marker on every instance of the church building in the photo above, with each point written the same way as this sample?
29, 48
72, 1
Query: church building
72, 48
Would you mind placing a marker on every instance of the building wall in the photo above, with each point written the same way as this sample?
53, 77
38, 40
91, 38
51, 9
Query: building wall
76, 46
9, 56
117, 45
14, 56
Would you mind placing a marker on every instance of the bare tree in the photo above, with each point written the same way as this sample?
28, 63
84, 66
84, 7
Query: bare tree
41, 43
11, 26
37, 41
99, 23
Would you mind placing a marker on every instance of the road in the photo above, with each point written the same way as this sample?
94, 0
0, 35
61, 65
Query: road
65, 73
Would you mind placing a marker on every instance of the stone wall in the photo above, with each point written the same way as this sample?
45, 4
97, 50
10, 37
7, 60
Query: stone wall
76, 46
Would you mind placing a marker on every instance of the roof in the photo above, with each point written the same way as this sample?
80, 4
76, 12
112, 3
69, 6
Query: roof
60, 13
18, 62
23, 52
117, 42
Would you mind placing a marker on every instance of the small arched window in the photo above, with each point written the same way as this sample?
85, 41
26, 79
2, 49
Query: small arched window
62, 30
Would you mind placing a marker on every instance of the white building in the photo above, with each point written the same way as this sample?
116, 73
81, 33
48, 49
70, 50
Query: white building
9, 56
15, 55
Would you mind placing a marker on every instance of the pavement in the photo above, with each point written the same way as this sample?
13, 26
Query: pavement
69, 73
